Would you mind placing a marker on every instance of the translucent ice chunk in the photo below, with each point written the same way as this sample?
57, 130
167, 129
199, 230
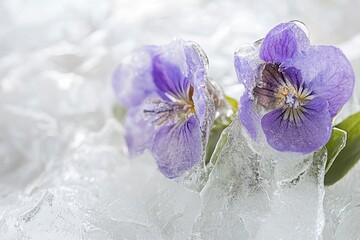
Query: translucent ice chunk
171, 207
50, 218
235, 196
297, 204
255, 193
342, 208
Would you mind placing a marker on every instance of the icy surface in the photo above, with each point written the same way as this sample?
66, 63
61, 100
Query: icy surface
64, 173
342, 208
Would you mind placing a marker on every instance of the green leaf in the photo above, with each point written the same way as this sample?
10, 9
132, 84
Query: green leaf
336, 143
119, 112
220, 124
233, 103
215, 134
222, 140
350, 155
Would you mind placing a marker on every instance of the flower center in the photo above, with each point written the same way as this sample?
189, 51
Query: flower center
292, 101
160, 112
275, 91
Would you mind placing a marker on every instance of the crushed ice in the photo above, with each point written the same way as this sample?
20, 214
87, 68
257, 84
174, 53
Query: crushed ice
63, 172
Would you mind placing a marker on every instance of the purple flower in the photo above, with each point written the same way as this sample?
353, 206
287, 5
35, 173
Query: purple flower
170, 108
292, 89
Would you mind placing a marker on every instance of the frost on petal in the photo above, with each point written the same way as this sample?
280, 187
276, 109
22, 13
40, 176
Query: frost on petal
282, 42
174, 54
203, 100
132, 81
178, 147
327, 73
248, 117
197, 62
138, 133
307, 134
248, 64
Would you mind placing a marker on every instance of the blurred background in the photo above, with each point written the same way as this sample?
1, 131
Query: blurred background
60, 148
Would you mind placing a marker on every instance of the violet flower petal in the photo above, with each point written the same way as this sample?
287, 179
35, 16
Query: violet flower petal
180, 65
326, 72
294, 76
132, 80
282, 42
163, 117
139, 134
248, 64
247, 115
202, 98
308, 134
178, 147
169, 79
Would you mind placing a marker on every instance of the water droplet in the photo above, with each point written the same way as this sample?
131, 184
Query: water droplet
302, 26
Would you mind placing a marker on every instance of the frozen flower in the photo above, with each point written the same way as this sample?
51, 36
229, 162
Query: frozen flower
169, 102
293, 89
